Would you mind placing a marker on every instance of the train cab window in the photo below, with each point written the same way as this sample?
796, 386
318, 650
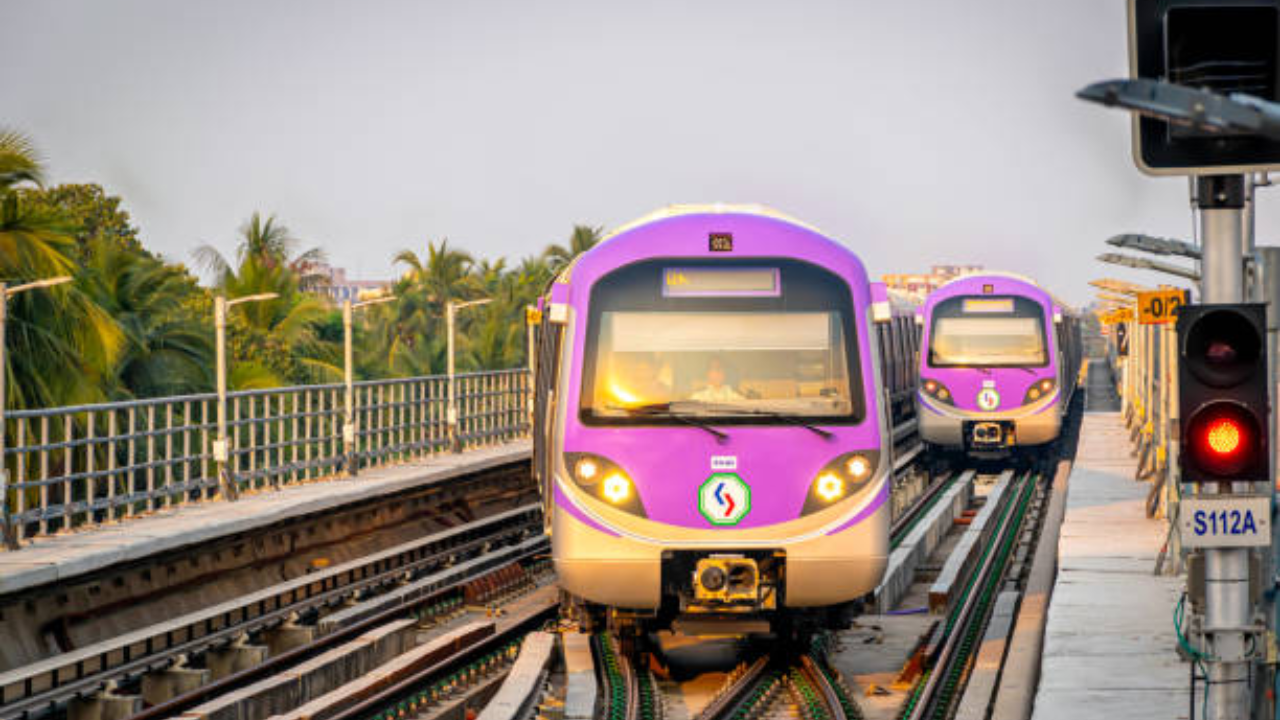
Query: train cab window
738, 359
988, 332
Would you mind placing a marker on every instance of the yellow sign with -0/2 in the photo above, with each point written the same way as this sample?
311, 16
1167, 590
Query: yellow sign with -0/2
1160, 306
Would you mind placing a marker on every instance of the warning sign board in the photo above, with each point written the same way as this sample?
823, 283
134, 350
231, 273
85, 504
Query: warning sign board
1160, 306
1117, 316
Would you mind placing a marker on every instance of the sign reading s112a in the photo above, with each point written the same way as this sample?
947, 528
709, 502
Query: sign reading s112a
1160, 307
1225, 521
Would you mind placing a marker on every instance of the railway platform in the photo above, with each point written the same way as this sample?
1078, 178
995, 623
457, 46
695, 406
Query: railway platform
59, 558
1109, 646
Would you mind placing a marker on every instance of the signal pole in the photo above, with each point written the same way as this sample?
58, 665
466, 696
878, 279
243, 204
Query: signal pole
1221, 200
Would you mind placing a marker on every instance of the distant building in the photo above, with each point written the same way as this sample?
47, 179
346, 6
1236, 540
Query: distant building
332, 282
919, 285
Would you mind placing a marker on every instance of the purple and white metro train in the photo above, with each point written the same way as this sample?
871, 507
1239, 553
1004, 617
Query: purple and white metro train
998, 365
711, 439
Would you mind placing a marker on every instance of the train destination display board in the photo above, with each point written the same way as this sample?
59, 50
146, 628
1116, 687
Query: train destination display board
721, 282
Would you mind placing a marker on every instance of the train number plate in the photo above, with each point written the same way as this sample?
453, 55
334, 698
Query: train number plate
1225, 521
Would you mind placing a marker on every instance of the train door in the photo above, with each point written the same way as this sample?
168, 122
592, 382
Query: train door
548, 339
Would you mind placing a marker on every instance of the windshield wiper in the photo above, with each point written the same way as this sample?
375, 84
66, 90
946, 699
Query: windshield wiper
784, 417
664, 410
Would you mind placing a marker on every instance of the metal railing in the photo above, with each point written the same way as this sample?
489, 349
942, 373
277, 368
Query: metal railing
72, 467
1147, 381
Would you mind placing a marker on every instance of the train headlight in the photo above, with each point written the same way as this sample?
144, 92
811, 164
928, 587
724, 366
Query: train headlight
1038, 390
859, 467
586, 470
937, 391
830, 487
602, 479
617, 488
841, 478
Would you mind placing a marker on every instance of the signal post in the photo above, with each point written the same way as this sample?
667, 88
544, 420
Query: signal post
1223, 388
1205, 92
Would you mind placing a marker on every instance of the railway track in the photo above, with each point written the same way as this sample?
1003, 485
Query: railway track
947, 656
425, 576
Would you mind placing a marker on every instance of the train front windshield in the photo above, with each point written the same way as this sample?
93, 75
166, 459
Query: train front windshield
988, 332
744, 358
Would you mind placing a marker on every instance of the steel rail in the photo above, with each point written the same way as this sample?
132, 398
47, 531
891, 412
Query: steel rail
275, 665
262, 609
903, 524
369, 706
939, 684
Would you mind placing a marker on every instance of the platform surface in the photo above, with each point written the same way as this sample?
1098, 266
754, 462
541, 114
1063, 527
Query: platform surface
1109, 647
54, 559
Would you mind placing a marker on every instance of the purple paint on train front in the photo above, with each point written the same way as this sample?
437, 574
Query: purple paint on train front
668, 464
1013, 382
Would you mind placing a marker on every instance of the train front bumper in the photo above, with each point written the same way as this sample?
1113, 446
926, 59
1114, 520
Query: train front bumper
624, 571
1033, 424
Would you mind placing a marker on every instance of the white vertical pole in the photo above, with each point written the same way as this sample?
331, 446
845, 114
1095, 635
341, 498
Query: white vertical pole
222, 445
450, 310
348, 387
1227, 606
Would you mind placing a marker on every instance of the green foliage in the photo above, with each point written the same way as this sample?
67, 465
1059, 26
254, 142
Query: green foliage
61, 346
95, 218
132, 325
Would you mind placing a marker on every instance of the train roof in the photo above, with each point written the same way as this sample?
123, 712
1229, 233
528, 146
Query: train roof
754, 231
958, 284
680, 209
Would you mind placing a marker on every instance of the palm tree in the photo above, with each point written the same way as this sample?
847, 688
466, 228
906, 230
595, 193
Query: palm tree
582, 239
268, 243
264, 263
62, 346
168, 344
415, 342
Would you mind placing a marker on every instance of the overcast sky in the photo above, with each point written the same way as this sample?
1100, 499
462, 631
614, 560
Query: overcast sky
915, 132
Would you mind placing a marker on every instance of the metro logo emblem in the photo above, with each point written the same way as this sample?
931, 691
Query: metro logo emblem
988, 398
724, 499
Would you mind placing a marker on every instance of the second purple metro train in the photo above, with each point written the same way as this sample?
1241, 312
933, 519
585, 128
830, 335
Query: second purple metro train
715, 393
999, 361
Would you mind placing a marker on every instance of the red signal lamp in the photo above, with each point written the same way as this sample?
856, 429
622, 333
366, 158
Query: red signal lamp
1224, 436
1224, 441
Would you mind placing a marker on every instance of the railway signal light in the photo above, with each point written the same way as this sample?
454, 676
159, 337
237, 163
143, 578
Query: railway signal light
1222, 392
1228, 46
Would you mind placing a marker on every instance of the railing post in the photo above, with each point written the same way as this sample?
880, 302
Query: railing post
10, 537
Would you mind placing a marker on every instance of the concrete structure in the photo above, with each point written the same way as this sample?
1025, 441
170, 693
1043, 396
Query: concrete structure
60, 558
1109, 646
338, 287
